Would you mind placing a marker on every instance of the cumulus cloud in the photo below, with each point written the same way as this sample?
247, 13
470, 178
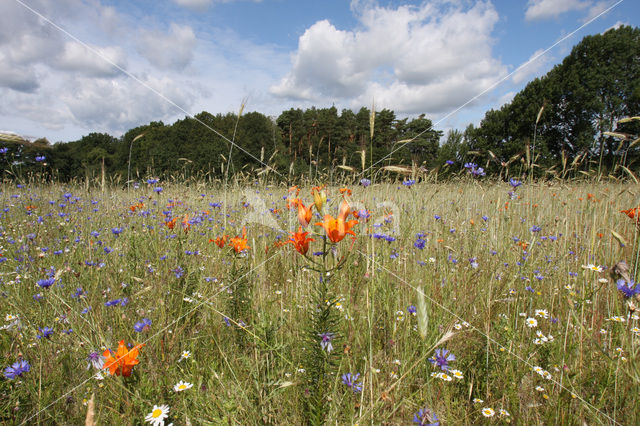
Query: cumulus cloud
547, 9
121, 104
411, 59
172, 50
94, 61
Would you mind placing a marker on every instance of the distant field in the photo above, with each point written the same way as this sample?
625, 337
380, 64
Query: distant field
460, 303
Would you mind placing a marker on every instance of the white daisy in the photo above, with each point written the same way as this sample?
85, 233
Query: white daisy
456, 373
488, 412
542, 313
181, 386
477, 401
593, 267
185, 355
504, 412
532, 322
157, 415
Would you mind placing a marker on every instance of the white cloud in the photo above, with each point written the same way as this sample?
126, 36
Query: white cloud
533, 69
411, 59
193, 4
173, 50
97, 61
121, 104
547, 9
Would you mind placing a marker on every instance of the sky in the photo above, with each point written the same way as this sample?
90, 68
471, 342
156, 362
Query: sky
72, 67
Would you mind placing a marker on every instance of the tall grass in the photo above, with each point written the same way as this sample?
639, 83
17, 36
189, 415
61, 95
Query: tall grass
475, 283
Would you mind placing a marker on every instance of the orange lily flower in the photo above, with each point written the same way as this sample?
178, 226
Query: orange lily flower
171, 223
337, 228
124, 360
300, 241
632, 213
240, 244
185, 223
220, 241
345, 190
304, 214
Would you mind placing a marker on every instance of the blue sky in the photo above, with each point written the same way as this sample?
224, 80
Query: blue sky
70, 67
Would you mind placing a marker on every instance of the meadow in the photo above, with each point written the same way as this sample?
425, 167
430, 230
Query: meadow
466, 302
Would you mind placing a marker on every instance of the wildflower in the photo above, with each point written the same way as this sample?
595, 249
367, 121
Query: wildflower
504, 412
419, 244
628, 289
345, 191
488, 412
46, 333
143, 325
593, 267
400, 316
240, 244
46, 283
325, 341
441, 359
531, 322
336, 229
96, 360
304, 214
408, 182
457, 374
300, 241
157, 415
181, 386
477, 401
426, 417
539, 388
412, 310
351, 381
116, 231
542, 313
319, 198
123, 361
365, 182
632, 213
17, 369
40, 158
185, 355
220, 241
514, 183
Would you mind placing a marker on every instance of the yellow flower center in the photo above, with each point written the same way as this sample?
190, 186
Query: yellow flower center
181, 387
156, 413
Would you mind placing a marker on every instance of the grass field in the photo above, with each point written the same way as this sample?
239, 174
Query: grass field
515, 283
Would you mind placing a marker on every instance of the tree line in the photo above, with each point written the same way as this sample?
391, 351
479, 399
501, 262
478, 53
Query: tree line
579, 116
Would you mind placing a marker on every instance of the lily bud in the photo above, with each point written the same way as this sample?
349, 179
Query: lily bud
319, 199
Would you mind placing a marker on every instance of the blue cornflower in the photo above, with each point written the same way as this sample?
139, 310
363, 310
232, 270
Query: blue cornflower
46, 283
40, 158
514, 183
18, 368
46, 333
470, 165
412, 310
179, 272
426, 417
441, 359
158, 189
409, 182
325, 341
535, 228
152, 181
365, 182
4, 150
143, 325
95, 359
436, 217
479, 171
351, 381
419, 243
628, 289
449, 162
116, 231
